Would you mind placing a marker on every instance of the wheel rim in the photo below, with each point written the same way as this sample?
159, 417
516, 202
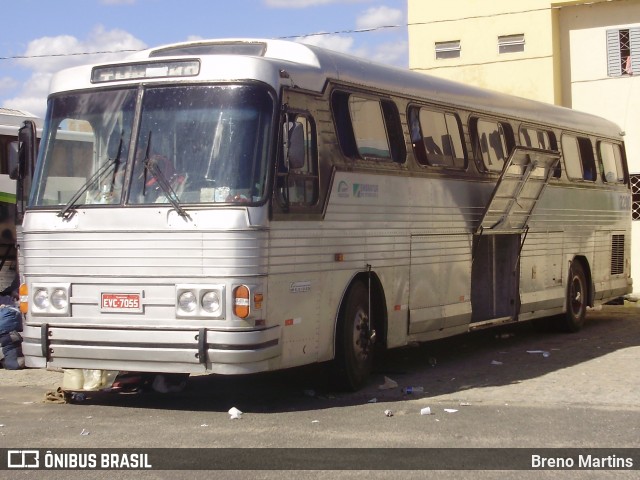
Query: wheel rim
577, 296
360, 338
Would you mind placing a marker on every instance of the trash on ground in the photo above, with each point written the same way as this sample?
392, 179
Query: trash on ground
543, 352
84, 432
388, 413
495, 362
450, 410
465, 404
388, 384
78, 397
504, 336
55, 397
373, 400
234, 413
410, 390
425, 411
315, 421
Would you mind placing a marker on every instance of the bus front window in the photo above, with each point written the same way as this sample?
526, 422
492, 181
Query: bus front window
209, 144
84, 150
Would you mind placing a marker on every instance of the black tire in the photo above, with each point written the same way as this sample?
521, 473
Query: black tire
354, 348
577, 299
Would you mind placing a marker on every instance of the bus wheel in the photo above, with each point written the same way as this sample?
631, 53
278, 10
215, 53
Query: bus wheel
354, 340
577, 299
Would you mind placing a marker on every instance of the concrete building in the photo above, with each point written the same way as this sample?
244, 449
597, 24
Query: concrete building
582, 54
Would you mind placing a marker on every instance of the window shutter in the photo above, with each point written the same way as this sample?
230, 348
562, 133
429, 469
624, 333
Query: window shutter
634, 42
614, 65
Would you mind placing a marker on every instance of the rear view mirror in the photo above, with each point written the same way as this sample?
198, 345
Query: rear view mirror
296, 146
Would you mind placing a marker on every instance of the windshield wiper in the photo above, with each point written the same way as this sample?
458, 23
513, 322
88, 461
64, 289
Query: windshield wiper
69, 208
164, 184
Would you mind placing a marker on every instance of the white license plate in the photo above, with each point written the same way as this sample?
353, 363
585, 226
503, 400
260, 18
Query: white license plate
120, 302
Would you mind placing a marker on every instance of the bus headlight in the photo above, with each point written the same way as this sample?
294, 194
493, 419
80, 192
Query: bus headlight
187, 302
211, 302
59, 299
50, 299
41, 299
200, 301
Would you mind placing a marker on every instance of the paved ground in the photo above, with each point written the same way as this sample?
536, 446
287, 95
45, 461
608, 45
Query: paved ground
513, 387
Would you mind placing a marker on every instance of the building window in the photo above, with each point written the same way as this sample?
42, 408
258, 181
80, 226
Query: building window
445, 50
623, 52
511, 43
635, 190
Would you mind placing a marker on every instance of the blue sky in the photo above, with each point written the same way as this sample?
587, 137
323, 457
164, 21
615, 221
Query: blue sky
51, 34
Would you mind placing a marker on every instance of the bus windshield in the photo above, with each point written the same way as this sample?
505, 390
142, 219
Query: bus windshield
194, 144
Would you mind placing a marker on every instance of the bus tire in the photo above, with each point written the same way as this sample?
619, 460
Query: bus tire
577, 299
354, 347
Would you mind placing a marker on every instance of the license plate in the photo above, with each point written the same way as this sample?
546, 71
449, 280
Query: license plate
120, 302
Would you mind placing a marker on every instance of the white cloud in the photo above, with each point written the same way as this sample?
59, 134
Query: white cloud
332, 42
392, 53
7, 83
33, 95
379, 17
51, 54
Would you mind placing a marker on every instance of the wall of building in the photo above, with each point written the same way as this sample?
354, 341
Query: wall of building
564, 60
478, 25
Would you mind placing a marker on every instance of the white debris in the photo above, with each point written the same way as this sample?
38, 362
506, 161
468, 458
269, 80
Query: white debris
234, 413
388, 384
425, 411
450, 410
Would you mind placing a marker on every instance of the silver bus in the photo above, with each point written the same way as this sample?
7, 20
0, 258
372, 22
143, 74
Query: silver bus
252, 205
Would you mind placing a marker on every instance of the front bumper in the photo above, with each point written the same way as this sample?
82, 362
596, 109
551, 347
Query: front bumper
230, 352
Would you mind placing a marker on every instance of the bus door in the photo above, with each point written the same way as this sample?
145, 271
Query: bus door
498, 240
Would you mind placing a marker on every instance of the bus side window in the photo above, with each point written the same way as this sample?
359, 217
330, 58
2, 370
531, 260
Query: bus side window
588, 160
436, 138
611, 159
394, 131
367, 120
578, 158
368, 128
493, 141
543, 139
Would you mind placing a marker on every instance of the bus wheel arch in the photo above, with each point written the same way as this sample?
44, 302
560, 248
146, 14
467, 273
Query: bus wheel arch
579, 295
360, 331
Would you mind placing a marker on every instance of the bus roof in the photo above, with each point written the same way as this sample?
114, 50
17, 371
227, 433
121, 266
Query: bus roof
310, 67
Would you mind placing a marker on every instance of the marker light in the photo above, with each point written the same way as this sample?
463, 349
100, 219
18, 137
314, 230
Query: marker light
241, 304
